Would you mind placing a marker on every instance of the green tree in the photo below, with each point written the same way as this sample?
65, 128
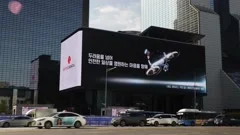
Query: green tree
3, 106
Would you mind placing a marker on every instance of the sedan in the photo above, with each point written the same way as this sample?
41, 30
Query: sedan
19, 121
60, 119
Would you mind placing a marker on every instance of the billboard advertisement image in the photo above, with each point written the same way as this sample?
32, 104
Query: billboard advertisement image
135, 62
71, 62
129, 62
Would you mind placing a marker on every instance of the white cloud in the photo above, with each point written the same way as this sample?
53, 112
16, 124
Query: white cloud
116, 17
107, 9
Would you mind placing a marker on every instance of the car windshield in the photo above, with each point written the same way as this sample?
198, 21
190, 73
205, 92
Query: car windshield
52, 114
124, 114
155, 116
219, 117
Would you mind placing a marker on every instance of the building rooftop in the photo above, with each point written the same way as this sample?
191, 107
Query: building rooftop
169, 34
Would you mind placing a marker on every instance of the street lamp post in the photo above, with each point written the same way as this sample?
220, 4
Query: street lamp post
106, 81
195, 92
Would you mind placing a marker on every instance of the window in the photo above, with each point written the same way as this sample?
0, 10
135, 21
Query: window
25, 118
71, 115
136, 114
166, 116
17, 118
62, 115
212, 4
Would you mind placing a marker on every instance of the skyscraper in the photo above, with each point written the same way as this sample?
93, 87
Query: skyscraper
196, 17
187, 17
158, 13
230, 30
35, 30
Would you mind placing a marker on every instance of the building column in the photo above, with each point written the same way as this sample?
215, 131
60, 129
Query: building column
167, 109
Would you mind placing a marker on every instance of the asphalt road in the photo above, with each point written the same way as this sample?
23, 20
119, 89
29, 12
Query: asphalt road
124, 131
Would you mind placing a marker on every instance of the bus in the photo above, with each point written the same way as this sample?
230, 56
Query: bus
194, 117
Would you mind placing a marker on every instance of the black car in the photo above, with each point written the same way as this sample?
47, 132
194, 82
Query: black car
130, 119
226, 120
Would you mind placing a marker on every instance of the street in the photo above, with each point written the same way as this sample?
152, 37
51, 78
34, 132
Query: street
124, 131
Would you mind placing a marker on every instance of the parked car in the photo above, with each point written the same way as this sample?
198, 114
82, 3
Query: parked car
60, 119
209, 122
19, 121
163, 119
226, 120
130, 119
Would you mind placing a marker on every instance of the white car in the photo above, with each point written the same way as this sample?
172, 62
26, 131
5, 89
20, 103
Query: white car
60, 119
163, 119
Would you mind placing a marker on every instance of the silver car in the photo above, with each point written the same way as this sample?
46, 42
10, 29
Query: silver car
19, 121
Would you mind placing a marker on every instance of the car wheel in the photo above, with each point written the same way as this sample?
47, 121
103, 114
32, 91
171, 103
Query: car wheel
29, 124
141, 123
115, 125
156, 124
6, 124
68, 127
40, 127
122, 123
48, 125
77, 124
174, 123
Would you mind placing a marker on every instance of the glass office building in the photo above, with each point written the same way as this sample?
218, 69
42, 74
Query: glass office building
161, 13
171, 14
31, 28
219, 21
197, 16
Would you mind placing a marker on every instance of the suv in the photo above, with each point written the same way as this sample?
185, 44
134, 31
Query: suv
163, 119
130, 119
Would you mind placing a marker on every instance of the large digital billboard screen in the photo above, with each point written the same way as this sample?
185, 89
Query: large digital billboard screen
91, 57
135, 62
71, 62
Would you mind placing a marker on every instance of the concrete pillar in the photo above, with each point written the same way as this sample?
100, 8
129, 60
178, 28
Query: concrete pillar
35, 97
14, 97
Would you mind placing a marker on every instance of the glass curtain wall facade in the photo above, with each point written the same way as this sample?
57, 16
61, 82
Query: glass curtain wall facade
36, 30
161, 13
187, 17
197, 16
171, 14
230, 32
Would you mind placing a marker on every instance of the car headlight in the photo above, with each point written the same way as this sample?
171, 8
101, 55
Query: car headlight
150, 119
115, 120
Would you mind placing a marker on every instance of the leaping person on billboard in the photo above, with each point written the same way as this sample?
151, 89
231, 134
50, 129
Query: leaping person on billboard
161, 64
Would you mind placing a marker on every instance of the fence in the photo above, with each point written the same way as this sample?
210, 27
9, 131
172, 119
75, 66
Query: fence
98, 121
91, 120
3, 117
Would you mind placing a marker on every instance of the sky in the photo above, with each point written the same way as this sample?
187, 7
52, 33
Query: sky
115, 15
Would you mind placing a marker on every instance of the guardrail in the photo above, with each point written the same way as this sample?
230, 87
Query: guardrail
91, 120
3, 117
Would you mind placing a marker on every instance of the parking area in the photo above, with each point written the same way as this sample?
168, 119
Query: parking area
124, 131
